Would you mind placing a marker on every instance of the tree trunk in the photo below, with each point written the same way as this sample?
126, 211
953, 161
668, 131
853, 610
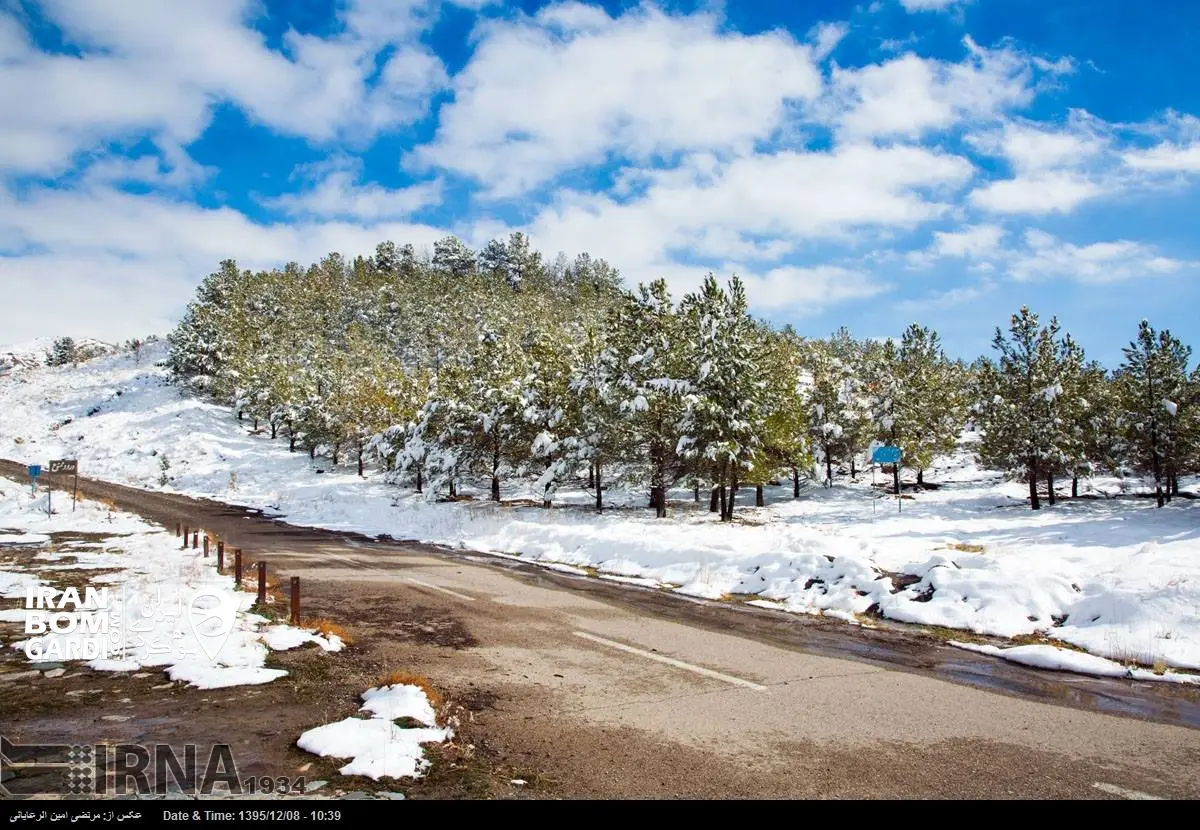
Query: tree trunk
733, 490
453, 489
896, 477
337, 449
1175, 484
658, 496
291, 442
724, 501
274, 428
256, 423
360, 460
853, 468
712, 500
1050, 488
1074, 487
795, 483
312, 451
591, 476
420, 480
241, 414
495, 472
594, 473
1034, 502
696, 492
828, 467
758, 495
920, 476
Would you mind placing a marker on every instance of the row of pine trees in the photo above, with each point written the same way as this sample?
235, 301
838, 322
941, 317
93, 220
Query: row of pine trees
494, 365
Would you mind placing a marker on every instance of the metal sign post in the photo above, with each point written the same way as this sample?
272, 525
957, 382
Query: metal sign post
890, 455
69, 466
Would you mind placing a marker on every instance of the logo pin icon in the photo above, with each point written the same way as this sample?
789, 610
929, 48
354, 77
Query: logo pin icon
211, 615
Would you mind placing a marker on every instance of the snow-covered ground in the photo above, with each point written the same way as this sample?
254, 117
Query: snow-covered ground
376, 745
1115, 577
154, 604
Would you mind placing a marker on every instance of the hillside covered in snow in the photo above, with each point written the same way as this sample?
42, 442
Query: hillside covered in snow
1106, 573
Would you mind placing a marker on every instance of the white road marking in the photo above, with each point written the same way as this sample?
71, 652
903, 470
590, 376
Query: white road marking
1132, 795
454, 594
670, 661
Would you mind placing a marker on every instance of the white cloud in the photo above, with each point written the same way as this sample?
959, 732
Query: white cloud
910, 96
573, 87
182, 57
757, 208
911, 6
115, 264
1166, 158
1046, 256
950, 298
807, 290
1037, 193
971, 241
336, 193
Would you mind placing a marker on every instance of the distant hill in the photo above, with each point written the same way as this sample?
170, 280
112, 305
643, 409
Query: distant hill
31, 354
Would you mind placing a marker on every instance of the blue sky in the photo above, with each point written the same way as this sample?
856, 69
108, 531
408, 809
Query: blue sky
858, 163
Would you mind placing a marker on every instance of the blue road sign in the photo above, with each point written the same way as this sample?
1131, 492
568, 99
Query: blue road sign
886, 455
35, 470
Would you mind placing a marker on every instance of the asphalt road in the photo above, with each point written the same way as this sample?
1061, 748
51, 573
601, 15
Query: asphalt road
620, 692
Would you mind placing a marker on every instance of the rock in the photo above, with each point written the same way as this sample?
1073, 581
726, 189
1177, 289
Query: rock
18, 675
116, 718
358, 796
393, 796
80, 692
313, 786
46, 666
54, 673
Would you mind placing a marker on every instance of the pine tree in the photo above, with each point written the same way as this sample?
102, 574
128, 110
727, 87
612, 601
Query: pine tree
63, 352
1020, 403
1154, 385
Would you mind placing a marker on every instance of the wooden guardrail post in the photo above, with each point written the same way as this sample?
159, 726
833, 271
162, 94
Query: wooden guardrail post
205, 545
195, 539
237, 567
220, 556
295, 598
262, 581
186, 529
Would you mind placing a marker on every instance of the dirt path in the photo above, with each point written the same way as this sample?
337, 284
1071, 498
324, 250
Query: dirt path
584, 688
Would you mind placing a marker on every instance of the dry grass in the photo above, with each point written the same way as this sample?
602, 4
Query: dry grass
1159, 667
328, 628
405, 678
965, 547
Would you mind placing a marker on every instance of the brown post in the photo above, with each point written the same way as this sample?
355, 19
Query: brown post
178, 529
195, 539
295, 600
186, 530
237, 568
205, 545
220, 556
262, 581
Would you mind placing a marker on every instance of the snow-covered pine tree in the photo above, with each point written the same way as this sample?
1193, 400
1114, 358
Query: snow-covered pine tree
723, 420
63, 352
1153, 380
785, 441
1020, 403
